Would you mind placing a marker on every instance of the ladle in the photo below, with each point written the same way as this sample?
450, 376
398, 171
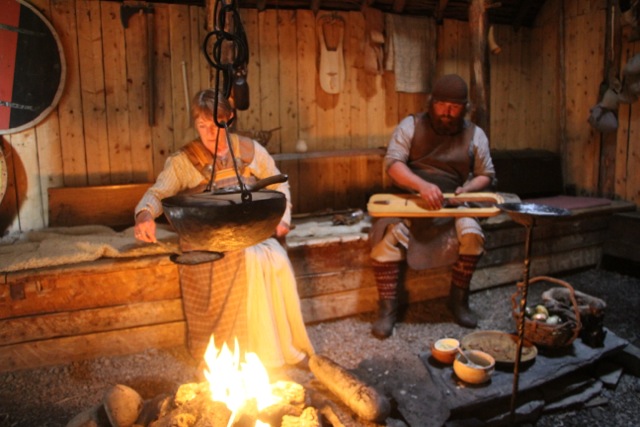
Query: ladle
468, 362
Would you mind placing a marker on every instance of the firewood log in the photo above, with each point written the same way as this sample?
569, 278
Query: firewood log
123, 405
308, 418
364, 400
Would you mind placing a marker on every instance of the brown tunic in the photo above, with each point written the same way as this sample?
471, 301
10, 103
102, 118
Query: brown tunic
444, 160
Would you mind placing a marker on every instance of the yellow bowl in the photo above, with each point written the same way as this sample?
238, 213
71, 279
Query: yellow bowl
444, 350
477, 369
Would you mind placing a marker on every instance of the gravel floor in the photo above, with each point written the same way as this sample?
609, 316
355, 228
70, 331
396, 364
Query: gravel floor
52, 396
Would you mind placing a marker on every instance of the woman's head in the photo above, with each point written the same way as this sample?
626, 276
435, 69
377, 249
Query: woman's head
211, 135
204, 102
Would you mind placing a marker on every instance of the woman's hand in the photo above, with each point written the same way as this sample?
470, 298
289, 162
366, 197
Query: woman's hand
145, 228
282, 229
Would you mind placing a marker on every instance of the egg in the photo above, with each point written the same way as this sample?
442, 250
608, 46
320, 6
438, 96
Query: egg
540, 317
553, 320
529, 311
542, 309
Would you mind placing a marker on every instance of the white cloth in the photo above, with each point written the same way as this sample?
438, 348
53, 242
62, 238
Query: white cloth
276, 329
411, 51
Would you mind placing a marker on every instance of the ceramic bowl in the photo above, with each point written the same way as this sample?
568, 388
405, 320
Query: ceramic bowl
445, 349
477, 369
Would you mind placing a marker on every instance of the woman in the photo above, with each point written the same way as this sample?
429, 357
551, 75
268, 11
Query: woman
250, 294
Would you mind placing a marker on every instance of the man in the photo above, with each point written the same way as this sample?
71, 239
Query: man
431, 153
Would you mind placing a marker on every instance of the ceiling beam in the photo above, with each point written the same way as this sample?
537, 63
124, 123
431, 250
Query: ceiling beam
521, 13
398, 5
315, 5
439, 13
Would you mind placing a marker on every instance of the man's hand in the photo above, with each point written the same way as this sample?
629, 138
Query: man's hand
432, 195
145, 228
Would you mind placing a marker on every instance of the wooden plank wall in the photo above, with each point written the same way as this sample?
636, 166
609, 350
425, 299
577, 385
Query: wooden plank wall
99, 134
584, 154
627, 154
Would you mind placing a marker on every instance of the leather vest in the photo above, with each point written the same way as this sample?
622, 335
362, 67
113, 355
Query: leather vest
445, 160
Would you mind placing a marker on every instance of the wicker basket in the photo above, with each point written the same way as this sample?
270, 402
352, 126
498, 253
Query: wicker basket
548, 335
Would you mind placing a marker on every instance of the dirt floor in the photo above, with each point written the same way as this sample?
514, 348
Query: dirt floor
52, 396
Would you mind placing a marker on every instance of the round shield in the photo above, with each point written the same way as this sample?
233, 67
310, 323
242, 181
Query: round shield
32, 66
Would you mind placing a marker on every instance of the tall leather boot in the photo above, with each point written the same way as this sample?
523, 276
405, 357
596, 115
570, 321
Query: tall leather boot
461, 274
386, 274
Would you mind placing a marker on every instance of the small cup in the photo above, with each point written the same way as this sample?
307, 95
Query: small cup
479, 369
444, 350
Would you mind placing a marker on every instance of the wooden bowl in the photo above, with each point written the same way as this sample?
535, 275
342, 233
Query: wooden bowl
478, 371
444, 350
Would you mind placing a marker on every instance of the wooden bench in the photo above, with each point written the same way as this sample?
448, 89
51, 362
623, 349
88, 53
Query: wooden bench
57, 314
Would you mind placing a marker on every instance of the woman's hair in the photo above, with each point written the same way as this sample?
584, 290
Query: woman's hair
204, 102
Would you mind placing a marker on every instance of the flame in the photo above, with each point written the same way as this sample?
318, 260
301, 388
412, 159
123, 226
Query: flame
235, 382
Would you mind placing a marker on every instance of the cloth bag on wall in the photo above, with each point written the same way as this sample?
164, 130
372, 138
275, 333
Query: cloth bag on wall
603, 119
373, 50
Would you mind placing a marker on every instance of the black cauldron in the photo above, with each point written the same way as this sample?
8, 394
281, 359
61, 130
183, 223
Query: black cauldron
224, 222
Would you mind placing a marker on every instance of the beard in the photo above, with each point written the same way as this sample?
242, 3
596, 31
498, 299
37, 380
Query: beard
446, 124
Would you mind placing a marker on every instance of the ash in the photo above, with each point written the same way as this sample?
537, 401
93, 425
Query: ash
52, 396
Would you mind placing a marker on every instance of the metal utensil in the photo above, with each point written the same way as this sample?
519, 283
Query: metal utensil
526, 214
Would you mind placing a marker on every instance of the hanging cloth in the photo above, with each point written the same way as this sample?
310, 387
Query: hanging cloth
411, 51
330, 30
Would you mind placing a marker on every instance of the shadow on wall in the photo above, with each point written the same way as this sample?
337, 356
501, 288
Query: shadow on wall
13, 172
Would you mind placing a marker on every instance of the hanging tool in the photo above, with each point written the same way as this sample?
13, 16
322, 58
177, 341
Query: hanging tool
126, 12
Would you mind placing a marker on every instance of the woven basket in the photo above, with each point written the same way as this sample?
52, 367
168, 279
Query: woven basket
544, 334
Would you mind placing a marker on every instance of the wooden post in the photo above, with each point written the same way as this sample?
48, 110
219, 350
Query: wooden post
210, 10
478, 23
612, 51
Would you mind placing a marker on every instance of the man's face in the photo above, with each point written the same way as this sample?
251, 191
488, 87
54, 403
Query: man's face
446, 117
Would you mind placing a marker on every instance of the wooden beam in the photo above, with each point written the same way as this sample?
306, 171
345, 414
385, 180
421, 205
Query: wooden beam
611, 75
398, 5
480, 79
518, 19
439, 13
315, 5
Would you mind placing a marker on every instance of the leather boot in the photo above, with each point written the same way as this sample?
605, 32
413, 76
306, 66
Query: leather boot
459, 306
387, 313
386, 274
458, 303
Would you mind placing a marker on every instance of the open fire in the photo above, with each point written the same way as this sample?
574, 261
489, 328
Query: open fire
235, 382
238, 392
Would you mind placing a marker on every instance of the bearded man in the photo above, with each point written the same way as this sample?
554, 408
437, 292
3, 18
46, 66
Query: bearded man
431, 153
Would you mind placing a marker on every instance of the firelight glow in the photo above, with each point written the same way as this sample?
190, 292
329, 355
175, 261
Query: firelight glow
235, 382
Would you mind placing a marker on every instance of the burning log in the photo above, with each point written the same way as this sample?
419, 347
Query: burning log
308, 418
362, 399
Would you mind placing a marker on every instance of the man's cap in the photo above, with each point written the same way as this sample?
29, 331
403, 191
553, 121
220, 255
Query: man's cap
450, 88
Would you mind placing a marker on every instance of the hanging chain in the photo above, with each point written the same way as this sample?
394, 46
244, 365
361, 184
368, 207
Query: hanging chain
225, 73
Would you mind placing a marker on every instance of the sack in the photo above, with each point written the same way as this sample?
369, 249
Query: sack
603, 119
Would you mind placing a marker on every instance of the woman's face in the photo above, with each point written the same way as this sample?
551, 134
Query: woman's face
210, 133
